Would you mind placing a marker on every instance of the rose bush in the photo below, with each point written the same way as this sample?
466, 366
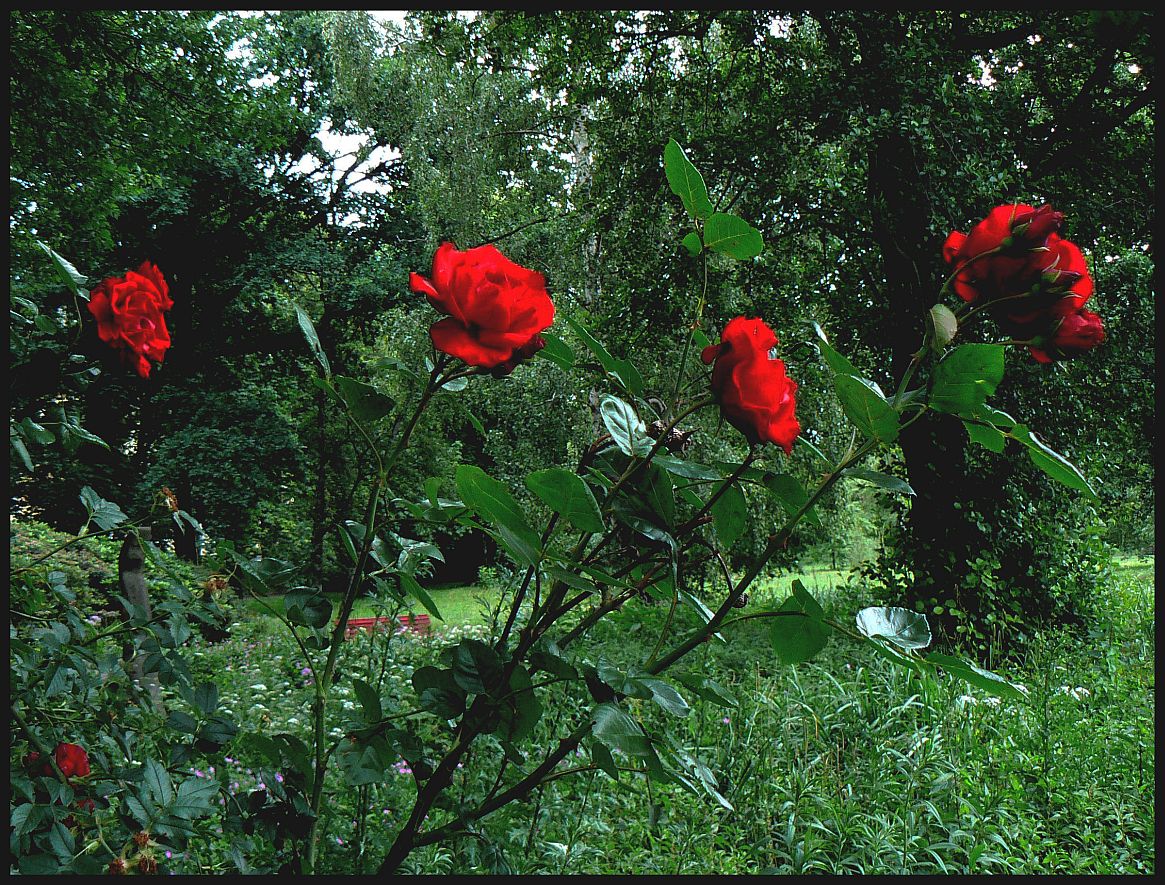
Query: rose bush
754, 393
129, 317
495, 308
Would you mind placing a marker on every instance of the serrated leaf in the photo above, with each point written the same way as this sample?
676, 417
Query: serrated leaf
986, 436
790, 494
685, 181
732, 236
797, 633
901, 626
157, 781
72, 278
566, 493
966, 377
665, 695
106, 514
615, 728
408, 584
492, 500
205, 697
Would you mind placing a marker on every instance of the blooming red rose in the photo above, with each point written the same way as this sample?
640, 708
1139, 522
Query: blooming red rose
1077, 333
129, 315
1030, 278
495, 308
72, 760
754, 393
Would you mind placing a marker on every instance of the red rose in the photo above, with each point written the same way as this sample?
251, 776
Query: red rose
754, 393
72, 760
1077, 333
495, 308
129, 315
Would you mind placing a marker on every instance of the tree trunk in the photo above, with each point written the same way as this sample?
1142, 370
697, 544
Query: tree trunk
939, 538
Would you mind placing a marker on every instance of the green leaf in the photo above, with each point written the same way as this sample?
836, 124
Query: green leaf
408, 584
732, 236
990, 682
566, 493
72, 278
798, 634
194, 798
665, 695
685, 181
21, 451
308, 607
615, 729
693, 244
686, 469
205, 697
369, 699
966, 377
106, 514
489, 498
730, 516
157, 781
313, 340
476, 667
1052, 462
557, 351
708, 689
865, 405
625, 426
944, 326
881, 480
522, 709
790, 494
901, 626
438, 692
838, 363
365, 402
182, 722
602, 757
986, 436
659, 495
622, 371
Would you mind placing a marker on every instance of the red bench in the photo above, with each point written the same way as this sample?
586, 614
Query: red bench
416, 623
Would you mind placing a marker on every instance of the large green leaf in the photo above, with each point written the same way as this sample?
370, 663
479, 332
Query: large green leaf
615, 728
693, 244
625, 426
477, 668
1052, 462
438, 692
364, 401
838, 363
106, 514
798, 633
866, 406
966, 377
486, 496
986, 436
566, 493
409, 585
901, 626
685, 181
991, 683
732, 236
73, 278
944, 325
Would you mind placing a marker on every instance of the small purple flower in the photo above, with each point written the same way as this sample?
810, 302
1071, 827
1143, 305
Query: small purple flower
306, 671
278, 777
725, 720
339, 841
169, 855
